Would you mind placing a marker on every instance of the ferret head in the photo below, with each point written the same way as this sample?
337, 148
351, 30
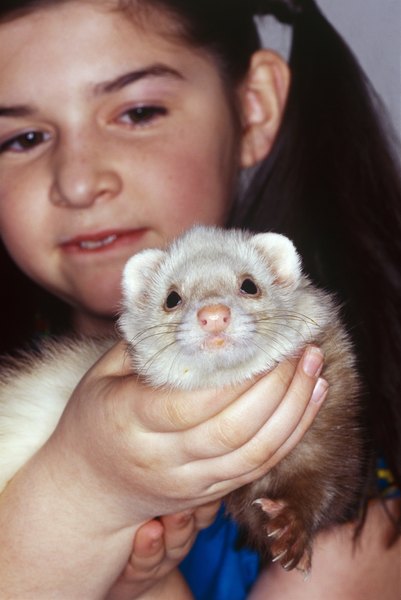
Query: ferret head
210, 309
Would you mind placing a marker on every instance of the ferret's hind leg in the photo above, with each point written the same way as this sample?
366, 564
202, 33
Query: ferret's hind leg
287, 538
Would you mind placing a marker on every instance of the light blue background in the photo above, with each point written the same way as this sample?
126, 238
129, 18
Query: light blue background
372, 28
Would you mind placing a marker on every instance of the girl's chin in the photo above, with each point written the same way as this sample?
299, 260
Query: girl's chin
96, 298
87, 323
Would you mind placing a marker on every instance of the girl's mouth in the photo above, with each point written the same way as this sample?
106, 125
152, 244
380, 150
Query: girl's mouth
102, 241
95, 244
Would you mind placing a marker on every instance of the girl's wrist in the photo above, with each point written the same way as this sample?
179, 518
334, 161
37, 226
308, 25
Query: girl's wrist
48, 518
73, 467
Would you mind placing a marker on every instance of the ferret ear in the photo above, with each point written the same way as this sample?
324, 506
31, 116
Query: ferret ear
281, 256
137, 271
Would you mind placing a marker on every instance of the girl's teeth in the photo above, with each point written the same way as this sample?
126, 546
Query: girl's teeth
93, 245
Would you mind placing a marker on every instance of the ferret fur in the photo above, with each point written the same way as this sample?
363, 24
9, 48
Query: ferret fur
272, 318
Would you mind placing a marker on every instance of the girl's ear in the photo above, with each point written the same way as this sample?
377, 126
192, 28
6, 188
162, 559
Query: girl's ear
263, 97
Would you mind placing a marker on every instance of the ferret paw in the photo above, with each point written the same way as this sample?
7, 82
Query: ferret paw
289, 543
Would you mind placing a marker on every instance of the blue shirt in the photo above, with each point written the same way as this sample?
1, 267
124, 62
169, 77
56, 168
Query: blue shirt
215, 569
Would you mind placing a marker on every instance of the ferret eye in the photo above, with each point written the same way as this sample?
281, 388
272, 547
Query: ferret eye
173, 300
249, 287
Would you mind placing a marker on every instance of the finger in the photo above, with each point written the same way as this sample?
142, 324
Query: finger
237, 424
288, 419
180, 527
252, 459
318, 396
116, 361
148, 538
205, 515
178, 410
148, 550
179, 534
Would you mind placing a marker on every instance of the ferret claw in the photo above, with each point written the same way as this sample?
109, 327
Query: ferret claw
305, 565
271, 507
305, 572
288, 566
274, 534
279, 556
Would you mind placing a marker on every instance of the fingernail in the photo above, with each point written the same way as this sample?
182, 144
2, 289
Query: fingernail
312, 363
320, 390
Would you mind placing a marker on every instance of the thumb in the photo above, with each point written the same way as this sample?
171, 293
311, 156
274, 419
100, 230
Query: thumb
116, 361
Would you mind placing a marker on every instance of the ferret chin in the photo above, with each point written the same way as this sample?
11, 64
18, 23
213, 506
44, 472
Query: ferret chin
213, 309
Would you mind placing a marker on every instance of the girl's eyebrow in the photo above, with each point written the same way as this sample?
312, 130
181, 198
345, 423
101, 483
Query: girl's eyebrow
156, 70
106, 87
16, 111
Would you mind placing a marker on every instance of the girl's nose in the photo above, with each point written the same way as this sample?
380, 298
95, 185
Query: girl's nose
80, 179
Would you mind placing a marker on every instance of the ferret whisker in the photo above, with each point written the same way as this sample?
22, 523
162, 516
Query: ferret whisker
287, 323
148, 364
273, 332
161, 328
127, 353
275, 344
136, 340
178, 353
282, 318
302, 340
290, 315
298, 317
278, 328
263, 349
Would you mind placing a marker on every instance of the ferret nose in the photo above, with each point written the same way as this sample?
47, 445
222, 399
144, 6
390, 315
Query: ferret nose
214, 318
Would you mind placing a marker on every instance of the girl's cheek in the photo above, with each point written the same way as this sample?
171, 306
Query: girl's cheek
199, 177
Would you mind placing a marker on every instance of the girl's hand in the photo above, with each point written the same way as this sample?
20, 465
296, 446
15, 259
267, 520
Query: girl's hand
123, 454
159, 546
174, 450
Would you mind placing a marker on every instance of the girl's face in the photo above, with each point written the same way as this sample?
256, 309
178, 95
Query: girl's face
112, 139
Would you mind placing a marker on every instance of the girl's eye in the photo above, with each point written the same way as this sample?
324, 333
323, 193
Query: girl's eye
143, 115
24, 142
249, 287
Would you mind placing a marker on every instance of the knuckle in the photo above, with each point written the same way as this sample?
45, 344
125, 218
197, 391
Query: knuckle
208, 510
204, 522
140, 572
175, 414
256, 454
181, 550
229, 433
297, 397
285, 372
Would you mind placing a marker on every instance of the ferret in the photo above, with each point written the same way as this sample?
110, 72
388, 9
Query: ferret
213, 309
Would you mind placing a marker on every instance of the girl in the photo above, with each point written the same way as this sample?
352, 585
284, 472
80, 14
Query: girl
123, 124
